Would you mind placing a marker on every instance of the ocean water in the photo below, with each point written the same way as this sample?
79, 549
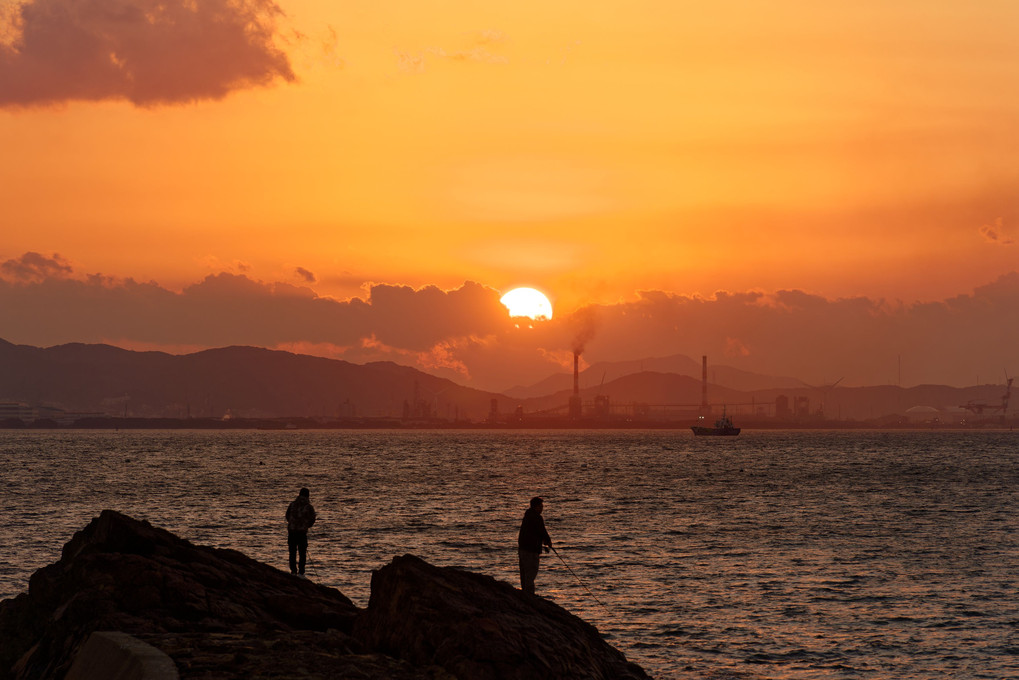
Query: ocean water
771, 555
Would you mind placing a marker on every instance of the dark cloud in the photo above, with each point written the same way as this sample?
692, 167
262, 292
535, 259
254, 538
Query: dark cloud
146, 51
793, 333
466, 334
227, 309
419, 318
35, 267
305, 275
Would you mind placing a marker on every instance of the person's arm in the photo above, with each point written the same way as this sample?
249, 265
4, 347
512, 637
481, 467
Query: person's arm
545, 538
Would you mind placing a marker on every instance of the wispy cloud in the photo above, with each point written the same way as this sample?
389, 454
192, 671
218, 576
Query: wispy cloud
148, 52
410, 63
477, 47
477, 53
997, 233
331, 49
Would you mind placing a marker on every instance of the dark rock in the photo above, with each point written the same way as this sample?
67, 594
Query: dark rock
479, 628
122, 574
219, 614
304, 655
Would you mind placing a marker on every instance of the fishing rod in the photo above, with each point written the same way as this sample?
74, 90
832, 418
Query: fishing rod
307, 559
581, 581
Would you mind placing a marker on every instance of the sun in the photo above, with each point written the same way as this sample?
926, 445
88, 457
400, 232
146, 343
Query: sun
527, 302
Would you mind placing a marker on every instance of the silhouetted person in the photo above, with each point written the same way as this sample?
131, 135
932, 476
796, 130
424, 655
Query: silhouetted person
529, 541
300, 517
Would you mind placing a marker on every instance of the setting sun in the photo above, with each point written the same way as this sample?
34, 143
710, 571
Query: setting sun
527, 302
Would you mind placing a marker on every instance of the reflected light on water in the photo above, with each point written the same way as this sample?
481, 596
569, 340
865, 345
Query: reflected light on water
779, 554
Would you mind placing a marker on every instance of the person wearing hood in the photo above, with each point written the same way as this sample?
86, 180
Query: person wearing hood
300, 517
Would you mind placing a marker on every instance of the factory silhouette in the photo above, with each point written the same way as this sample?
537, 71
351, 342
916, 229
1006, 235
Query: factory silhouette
236, 387
806, 406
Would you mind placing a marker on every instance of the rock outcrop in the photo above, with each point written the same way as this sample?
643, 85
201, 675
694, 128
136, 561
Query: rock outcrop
217, 613
122, 574
479, 628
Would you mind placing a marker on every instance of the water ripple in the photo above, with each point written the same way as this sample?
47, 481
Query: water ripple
778, 554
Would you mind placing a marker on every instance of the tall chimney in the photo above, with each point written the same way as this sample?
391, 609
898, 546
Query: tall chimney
704, 382
576, 406
576, 372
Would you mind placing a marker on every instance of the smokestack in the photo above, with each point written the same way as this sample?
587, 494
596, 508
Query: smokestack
704, 382
576, 372
576, 406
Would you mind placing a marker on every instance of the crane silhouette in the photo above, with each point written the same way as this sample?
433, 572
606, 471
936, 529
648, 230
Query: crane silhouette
824, 390
979, 407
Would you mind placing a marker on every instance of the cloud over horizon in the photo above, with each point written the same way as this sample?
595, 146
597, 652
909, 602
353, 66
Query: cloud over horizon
148, 52
35, 267
466, 335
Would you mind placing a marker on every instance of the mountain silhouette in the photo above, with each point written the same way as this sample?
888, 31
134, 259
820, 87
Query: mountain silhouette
248, 382
607, 371
252, 382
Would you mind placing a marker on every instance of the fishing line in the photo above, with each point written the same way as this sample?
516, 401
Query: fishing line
635, 652
308, 563
581, 581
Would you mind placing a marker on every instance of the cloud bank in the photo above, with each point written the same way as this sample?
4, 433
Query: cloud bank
466, 334
148, 52
35, 267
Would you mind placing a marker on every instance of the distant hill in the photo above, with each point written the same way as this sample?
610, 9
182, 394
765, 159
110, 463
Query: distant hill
680, 364
250, 382
670, 392
240, 381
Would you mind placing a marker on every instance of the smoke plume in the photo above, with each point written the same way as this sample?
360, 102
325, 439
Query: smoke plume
585, 322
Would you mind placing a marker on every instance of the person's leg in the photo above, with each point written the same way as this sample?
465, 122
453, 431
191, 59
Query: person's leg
292, 545
302, 545
528, 570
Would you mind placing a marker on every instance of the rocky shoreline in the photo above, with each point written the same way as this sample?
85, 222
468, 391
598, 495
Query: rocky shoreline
220, 614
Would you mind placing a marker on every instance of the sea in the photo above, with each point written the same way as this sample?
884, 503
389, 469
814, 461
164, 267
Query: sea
774, 554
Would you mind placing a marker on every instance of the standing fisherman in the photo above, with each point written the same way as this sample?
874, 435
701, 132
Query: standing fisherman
300, 517
529, 541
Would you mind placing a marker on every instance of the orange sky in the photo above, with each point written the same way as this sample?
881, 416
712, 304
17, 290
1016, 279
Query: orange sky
591, 149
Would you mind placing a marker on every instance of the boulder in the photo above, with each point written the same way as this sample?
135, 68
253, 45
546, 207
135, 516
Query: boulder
478, 628
122, 574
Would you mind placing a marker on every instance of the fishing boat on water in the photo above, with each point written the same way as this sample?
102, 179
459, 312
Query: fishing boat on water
723, 428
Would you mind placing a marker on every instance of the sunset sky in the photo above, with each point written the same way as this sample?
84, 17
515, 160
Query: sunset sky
800, 188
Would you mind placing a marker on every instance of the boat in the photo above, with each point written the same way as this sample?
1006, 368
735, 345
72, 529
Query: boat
723, 428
